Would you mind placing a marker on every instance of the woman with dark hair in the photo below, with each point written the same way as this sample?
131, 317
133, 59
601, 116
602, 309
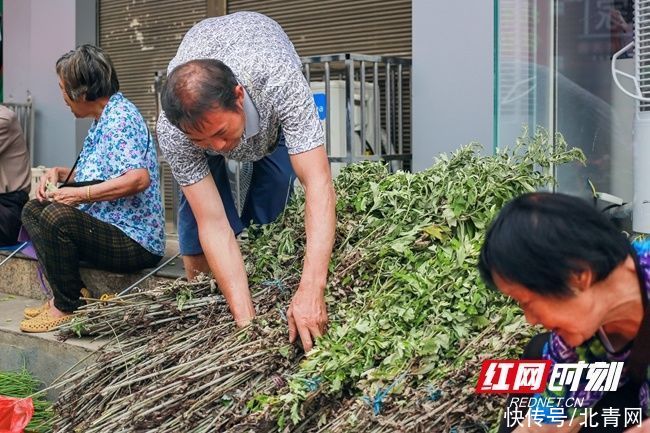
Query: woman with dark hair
573, 272
111, 216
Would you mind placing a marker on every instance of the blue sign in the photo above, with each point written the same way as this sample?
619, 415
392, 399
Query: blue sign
321, 105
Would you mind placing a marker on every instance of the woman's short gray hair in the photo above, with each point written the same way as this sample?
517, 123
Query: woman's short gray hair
87, 71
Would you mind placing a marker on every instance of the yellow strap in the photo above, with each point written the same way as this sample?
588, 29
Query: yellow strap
107, 297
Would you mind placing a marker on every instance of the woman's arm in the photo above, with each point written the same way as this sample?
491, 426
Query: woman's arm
130, 183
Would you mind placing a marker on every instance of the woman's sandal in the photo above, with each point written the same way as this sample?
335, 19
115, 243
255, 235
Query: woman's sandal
44, 323
31, 312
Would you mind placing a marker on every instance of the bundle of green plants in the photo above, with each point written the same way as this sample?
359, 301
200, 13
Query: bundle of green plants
410, 320
21, 384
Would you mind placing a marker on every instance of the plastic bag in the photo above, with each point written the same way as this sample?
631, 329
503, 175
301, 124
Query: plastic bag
15, 414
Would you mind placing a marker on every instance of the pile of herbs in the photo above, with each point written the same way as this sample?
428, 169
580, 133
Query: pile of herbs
410, 320
21, 384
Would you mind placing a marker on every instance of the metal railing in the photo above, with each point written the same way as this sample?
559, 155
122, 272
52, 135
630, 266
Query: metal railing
25, 113
372, 95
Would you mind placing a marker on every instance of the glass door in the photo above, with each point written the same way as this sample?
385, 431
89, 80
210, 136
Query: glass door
552, 66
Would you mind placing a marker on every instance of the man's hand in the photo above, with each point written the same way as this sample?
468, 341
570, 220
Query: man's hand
69, 195
220, 248
307, 316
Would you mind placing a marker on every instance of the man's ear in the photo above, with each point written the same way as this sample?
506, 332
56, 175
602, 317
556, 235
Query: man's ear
581, 280
239, 96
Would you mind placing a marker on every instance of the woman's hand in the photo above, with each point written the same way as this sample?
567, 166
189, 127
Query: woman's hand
68, 195
51, 177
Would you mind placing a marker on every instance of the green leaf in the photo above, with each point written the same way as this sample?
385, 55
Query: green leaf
434, 231
363, 326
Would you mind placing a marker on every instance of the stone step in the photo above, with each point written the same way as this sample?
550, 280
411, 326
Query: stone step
19, 276
42, 355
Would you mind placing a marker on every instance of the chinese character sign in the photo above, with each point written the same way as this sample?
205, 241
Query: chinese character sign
514, 377
532, 376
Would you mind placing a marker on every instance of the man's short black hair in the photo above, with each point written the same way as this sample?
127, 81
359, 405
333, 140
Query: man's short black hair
196, 87
540, 239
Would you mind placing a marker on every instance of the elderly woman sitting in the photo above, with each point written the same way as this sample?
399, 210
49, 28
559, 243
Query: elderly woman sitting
115, 225
574, 273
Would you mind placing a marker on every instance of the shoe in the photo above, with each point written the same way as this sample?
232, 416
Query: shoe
85, 293
44, 323
31, 312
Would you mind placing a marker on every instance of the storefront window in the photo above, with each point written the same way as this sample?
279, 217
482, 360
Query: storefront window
553, 70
